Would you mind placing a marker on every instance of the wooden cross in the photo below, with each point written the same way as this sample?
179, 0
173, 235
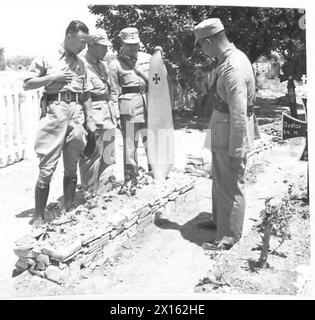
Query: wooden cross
156, 79
292, 128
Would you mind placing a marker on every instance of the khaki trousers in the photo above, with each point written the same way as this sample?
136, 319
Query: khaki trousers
96, 170
228, 198
61, 130
130, 132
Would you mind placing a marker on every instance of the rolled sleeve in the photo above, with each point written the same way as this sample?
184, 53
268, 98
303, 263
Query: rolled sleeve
236, 91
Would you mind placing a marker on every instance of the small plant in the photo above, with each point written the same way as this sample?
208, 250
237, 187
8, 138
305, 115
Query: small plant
275, 219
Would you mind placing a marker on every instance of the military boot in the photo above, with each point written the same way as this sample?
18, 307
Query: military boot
41, 196
69, 187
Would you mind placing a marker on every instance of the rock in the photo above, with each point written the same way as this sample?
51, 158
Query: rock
42, 261
24, 263
131, 222
145, 222
54, 274
63, 254
98, 243
173, 196
25, 243
25, 253
62, 265
169, 208
143, 212
117, 220
113, 234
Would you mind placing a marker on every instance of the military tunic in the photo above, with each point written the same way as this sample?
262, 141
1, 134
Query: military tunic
61, 129
99, 166
232, 137
132, 106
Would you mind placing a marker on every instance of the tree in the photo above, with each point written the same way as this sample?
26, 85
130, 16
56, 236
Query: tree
256, 31
2, 60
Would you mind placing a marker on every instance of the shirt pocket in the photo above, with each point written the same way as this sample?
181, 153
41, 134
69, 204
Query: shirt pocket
220, 131
128, 78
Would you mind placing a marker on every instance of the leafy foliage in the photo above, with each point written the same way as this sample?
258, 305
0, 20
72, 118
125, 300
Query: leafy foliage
256, 31
19, 62
275, 218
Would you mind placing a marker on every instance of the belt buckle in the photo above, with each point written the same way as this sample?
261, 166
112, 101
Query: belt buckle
68, 96
142, 89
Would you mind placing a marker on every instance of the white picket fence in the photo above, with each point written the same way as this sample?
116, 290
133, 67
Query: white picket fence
19, 116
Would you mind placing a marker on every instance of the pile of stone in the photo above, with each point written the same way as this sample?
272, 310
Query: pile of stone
197, 166
273, 129
81, 234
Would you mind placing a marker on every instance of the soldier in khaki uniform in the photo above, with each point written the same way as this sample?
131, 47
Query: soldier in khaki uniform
233, 129
129, 74
64, 110
96, 168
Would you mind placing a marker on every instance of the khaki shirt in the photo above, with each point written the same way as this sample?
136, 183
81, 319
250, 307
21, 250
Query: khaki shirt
42, 66
132, 104
102, 111
234, 132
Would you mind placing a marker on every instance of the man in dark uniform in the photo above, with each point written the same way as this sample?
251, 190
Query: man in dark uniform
232, 127
96, 169
66, 107
129, 75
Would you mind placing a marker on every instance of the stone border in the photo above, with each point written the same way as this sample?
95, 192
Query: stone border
54, 264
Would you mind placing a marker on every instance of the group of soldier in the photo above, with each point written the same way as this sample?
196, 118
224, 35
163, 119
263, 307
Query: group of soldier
85, 97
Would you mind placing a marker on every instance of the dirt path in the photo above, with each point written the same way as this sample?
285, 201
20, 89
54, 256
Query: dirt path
166, 257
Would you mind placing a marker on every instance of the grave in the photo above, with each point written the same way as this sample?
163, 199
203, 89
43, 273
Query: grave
82, 235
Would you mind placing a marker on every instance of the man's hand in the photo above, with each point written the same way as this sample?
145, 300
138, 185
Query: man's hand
90, 125
64, 76
119, 123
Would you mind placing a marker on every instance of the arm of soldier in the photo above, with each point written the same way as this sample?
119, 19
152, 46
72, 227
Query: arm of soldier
37, 75
115, 88
236, 90
90, 124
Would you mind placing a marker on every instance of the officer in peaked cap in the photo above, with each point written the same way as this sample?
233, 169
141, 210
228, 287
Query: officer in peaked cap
98, 163
232, 127
129, 74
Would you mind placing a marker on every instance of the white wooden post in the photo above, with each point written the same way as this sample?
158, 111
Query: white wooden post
3, 150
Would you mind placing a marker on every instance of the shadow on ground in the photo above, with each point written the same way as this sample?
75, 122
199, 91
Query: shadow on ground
52, 214
195, 230
187, 119
267, 110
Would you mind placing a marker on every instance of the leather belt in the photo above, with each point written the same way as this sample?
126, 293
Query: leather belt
223, 107
220, 105
98, 97
67, 96
134, 89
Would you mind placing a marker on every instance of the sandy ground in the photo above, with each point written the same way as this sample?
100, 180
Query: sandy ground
167, 258
17, 192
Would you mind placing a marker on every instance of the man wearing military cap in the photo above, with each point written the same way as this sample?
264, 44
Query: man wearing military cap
66, 106
129, 74
97, 167
233, 129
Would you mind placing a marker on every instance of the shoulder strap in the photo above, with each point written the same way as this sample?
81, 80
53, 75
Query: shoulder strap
131, 65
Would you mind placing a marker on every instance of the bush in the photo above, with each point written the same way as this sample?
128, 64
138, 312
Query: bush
19, 62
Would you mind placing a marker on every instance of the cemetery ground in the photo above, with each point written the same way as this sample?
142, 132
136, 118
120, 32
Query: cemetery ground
168, 256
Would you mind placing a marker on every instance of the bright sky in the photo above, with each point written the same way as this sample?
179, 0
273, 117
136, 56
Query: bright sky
31, 27
37, 27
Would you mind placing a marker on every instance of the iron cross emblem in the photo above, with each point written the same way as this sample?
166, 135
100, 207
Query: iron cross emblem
156, 79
